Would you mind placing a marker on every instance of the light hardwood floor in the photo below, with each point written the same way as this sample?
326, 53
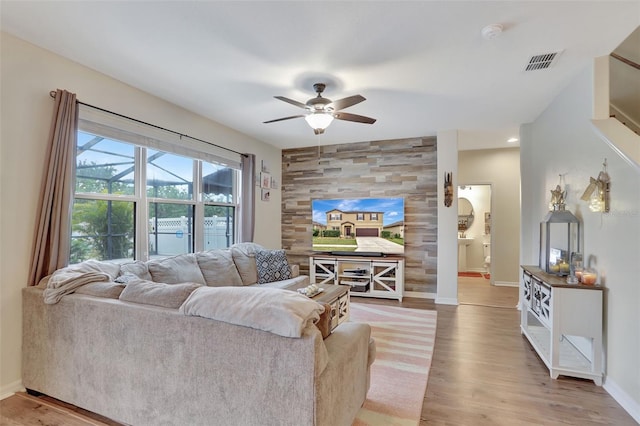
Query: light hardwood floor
479, 291
483, 372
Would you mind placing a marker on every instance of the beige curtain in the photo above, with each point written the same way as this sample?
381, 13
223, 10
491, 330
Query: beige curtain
248, 194
52, 237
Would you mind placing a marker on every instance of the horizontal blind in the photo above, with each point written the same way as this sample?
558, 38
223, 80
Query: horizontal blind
122, 129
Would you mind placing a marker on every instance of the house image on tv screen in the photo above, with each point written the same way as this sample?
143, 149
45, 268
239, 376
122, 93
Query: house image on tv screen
355, 224
374, 224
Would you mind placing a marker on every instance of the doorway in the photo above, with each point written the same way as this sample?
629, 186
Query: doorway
475, 249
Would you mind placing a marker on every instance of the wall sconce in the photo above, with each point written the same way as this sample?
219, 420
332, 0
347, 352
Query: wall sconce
597, 193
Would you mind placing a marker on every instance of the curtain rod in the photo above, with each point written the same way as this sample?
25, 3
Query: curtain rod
53, 95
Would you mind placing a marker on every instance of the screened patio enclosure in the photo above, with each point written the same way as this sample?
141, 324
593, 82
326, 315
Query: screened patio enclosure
106, 203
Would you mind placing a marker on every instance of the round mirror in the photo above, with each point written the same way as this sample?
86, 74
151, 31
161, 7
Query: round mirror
465, 213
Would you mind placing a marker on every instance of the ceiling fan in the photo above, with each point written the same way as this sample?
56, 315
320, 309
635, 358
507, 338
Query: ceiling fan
321, 111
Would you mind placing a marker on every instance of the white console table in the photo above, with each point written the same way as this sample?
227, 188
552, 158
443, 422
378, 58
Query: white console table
563, 323
367, 276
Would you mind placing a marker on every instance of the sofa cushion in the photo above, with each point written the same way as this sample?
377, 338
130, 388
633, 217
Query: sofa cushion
282, 312
108, 289
158, 294
177, 269
245, 259
218, 268
300, 280
137, 268
272, 265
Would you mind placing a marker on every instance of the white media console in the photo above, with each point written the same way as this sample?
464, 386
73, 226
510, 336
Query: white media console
563, 323
367, 276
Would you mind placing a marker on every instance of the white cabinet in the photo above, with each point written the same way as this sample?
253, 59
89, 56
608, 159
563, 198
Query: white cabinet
563, 323
370, 277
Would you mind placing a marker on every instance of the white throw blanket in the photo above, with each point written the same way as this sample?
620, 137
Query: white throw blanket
67, 280
282, 312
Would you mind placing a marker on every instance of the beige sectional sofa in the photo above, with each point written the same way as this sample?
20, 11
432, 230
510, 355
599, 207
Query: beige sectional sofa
142, 360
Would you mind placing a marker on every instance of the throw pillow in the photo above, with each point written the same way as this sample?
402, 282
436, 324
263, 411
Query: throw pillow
272, 266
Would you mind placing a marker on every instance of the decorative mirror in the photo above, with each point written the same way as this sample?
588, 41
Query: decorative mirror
465, 214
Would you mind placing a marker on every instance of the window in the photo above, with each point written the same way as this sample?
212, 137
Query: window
374, 216
139, 202
359, 216
335, 216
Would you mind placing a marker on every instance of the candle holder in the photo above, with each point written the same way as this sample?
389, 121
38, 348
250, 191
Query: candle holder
589, 276
576, 268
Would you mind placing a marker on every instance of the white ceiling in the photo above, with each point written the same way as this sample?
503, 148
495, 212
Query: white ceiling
422, 65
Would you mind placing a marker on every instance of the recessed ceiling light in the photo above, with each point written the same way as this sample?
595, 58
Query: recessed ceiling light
512, 140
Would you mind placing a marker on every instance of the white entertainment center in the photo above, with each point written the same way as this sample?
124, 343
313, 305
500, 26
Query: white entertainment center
367, 276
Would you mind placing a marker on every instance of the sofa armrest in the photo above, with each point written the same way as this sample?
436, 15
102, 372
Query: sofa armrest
295, 270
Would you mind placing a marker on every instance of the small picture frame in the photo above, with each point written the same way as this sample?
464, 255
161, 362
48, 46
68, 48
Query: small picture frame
274, 183
265, 180
265, 195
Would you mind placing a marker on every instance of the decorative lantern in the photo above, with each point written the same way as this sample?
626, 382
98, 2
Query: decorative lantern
559, 236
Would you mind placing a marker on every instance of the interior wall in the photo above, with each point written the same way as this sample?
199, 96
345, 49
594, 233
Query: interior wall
625, 80
396, 168
448, 144
501, 169
562, 141
28, 74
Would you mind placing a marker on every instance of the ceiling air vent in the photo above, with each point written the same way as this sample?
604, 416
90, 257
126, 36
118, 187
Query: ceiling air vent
542, 62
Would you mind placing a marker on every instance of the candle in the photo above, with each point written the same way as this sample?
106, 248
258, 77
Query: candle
579, 275
589, 278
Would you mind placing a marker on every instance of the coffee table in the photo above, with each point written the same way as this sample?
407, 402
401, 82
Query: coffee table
337, 296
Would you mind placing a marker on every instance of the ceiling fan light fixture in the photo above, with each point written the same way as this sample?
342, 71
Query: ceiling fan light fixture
319, 120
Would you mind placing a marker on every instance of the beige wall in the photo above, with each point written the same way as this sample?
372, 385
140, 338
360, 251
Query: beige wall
501, 169
563, 141
625, 81
28, 74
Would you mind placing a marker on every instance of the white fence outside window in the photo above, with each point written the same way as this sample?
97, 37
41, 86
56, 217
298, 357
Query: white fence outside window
173, 234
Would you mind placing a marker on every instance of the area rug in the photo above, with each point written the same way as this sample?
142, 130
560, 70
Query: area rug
470, 274
404, 346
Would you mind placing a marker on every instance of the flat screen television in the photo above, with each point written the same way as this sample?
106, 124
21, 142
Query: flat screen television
358, 226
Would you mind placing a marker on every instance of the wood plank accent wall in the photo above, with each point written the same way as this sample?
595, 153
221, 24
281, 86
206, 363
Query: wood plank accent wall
392, 168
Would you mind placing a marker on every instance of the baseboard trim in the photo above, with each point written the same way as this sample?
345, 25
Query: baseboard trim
447, 301
506, 284
8, 390
624, 399
419, 295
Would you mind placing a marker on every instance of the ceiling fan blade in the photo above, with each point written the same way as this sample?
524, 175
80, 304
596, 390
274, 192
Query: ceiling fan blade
283, 118
346, 102
291, 101
354, 117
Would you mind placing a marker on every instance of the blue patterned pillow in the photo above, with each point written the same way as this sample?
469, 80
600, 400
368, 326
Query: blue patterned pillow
272, 266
